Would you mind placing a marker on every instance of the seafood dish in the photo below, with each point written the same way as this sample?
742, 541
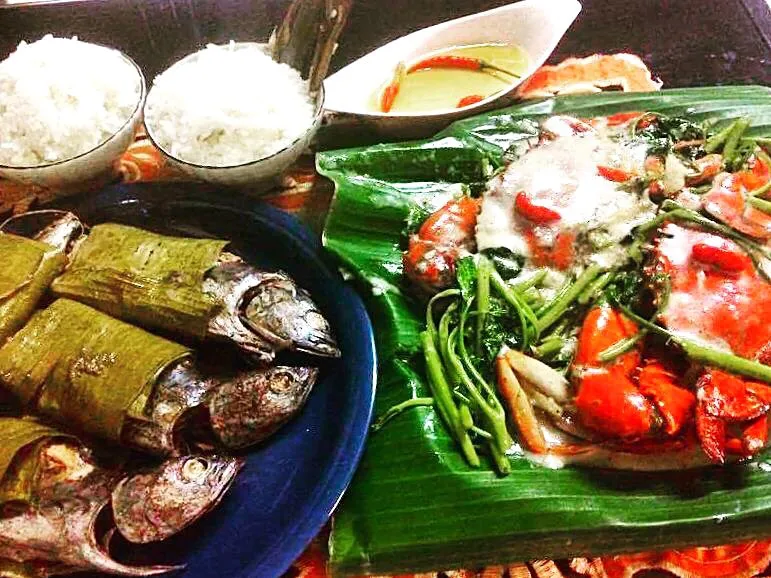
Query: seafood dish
52, 490
187, 287
86, 375
29, 267
608, 291
112, 380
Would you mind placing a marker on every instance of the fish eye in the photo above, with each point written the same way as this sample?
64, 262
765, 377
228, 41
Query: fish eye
194, 468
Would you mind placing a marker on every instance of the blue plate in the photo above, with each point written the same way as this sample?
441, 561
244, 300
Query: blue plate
291, 484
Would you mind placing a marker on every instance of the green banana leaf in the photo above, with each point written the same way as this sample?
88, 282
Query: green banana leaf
149, 279
27, 271
414, 504
19, 434
84, 368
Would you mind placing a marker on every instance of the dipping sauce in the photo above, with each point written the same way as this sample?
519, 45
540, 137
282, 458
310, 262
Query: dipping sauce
447, 84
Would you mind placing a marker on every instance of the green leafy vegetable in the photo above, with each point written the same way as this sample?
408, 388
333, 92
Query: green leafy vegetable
506, 262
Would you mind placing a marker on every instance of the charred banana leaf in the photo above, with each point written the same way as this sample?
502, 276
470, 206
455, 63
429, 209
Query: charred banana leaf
81, 367
191, 287
28, 267
109, 379
52, 491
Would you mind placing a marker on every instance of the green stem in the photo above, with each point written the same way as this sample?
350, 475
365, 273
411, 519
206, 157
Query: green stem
443, 396
532, 281
526, 316
760, 191
716, 141
466, 358
593, 291
484, 434
499, 458
430, 325
706, 355
466, 419
549, 348
760, 204
483, 300
561, 305
444, 335
494, 414
621, 347
398, 409
732, 142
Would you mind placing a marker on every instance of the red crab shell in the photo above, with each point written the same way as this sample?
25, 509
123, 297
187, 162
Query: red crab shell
718, 298
729, 308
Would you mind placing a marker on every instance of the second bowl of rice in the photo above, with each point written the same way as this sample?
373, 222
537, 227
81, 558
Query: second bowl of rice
68, 111
230, 115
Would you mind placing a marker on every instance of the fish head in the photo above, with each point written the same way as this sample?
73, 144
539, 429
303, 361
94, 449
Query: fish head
284, 313
155, 504
60, 229
264, 313
252, 405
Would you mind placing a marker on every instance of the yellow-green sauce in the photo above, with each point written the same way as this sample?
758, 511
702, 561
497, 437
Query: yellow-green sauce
433, 89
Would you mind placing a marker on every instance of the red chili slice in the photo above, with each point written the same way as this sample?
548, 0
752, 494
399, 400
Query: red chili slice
469, 100
720, 256
532, 212
613, 174
622, 118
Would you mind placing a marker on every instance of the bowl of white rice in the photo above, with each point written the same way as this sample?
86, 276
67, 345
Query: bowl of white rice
230, 115
68, 110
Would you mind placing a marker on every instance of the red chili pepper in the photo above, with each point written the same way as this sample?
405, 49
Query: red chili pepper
622, 118
613, 174
464, 62
721, 256
532, 212
469, 100
391, 90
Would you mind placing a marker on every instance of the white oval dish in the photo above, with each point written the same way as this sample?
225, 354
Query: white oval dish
536, 26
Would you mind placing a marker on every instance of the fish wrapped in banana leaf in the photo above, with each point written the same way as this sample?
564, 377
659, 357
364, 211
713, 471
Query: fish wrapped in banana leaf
52, 490
190, 287
79, 366
28, 267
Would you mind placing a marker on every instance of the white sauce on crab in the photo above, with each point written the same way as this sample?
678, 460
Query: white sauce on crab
562, 175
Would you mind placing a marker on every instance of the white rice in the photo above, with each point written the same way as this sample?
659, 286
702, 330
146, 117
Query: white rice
228, 105
60, 98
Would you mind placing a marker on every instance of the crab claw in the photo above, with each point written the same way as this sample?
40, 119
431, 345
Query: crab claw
608, 401
155, 505
726, 399
674, 403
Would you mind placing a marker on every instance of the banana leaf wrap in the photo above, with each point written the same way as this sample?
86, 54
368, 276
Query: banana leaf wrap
28, 267
414, 503
19, 434
149, 279
82, 367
